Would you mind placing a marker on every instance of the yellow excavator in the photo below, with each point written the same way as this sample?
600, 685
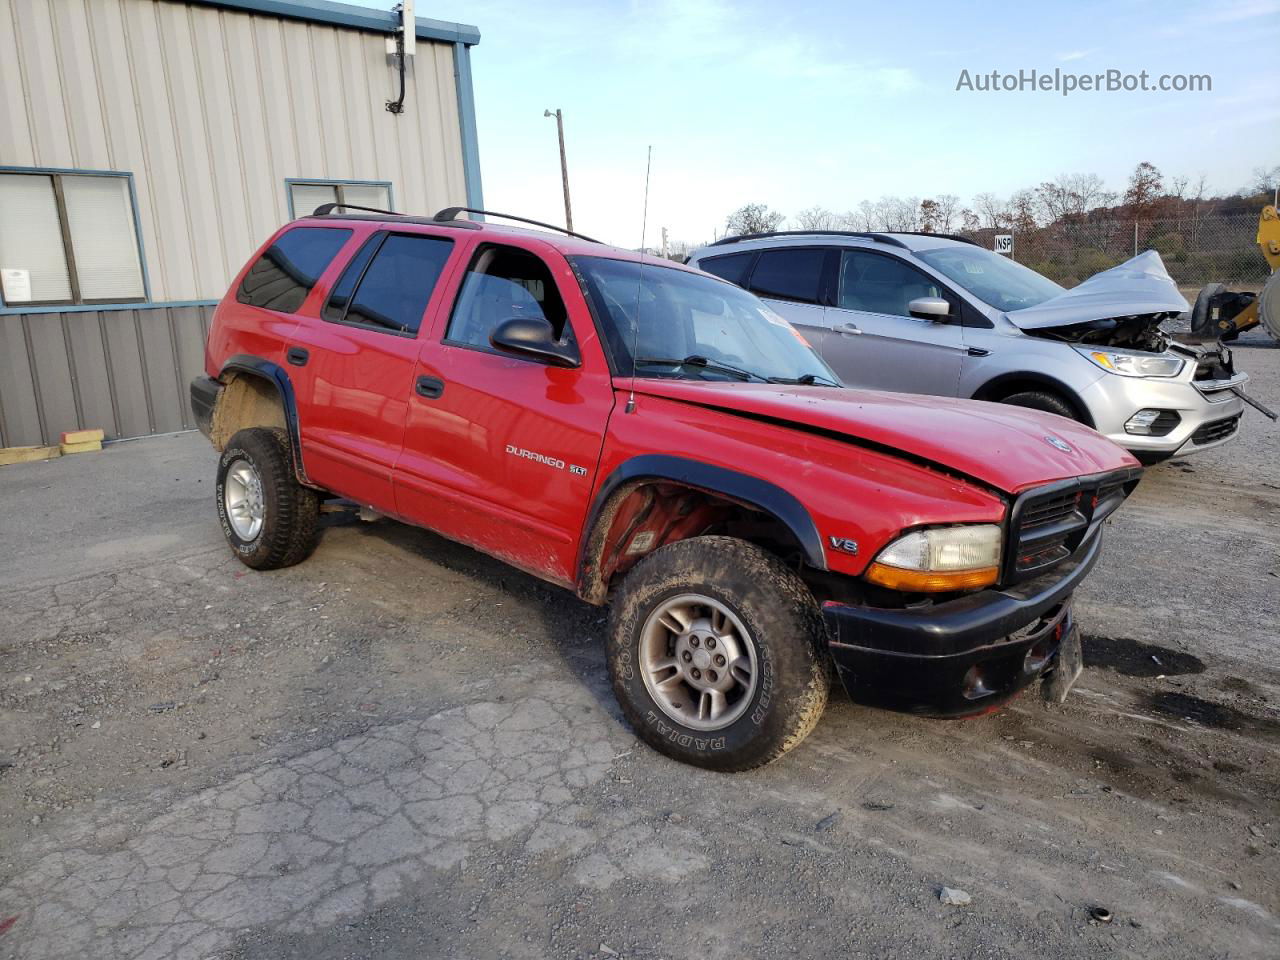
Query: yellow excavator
1231, 314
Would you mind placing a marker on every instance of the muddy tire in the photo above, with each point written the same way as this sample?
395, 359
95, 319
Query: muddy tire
1042, 400
268, 518
717, 653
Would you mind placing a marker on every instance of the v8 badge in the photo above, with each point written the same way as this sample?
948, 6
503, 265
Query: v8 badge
843, 544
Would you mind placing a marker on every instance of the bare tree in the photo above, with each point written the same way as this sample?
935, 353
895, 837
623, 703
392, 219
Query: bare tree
948, 211
929, 215
993, 211
1022, 211
969, 222
1070, 197
753, 218
817, 218
864, 218
1264, 181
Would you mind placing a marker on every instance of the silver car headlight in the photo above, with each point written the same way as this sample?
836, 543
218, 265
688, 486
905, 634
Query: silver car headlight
1133, 364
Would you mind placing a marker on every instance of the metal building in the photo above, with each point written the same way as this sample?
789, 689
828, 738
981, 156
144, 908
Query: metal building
148, 147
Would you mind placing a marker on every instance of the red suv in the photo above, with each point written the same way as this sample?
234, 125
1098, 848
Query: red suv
654, 438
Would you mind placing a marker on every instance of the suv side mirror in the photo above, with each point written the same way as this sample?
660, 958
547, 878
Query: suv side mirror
929, 308
534, 338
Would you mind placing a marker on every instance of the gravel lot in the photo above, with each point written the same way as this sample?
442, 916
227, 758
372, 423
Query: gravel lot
404, 749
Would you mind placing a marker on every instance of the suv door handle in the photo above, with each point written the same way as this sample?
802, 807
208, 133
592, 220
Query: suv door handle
429, 387
849, 328
297, 356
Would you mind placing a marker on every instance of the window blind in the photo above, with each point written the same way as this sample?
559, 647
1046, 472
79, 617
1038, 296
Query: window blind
31, 241
103, 240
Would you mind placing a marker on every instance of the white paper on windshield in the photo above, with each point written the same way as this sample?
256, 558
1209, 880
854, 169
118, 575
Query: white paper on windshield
1140, 285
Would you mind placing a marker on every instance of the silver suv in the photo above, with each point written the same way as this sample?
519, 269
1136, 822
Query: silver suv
926, 313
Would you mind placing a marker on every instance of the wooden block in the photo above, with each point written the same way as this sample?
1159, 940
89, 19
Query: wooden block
82, 436
27, 454
88, 446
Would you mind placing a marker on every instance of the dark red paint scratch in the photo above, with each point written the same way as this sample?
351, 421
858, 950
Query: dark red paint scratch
7, 923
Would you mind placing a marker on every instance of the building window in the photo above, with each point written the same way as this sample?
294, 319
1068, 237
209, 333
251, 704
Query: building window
306, 195
68, 238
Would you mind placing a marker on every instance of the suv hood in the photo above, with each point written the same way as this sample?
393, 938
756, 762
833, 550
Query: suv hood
1121, 306
1005, 447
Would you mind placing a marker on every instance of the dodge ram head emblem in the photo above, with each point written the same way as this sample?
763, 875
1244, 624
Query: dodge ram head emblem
1062, 445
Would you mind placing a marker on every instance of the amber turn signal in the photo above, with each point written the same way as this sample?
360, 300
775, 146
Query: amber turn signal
921, 581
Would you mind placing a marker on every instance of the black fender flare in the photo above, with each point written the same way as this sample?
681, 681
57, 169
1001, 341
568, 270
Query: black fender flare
278, 377
763, 495
993, 387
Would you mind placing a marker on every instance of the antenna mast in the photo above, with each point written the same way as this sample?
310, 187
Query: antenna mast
635, 328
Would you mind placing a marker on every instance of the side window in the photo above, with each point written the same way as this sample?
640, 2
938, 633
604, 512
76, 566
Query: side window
282, 277
732, 268
393, 277
789, 274
875, 283
501, 284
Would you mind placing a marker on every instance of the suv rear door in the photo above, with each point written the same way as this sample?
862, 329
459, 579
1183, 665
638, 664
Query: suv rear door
501, 451
875, 343
352, 366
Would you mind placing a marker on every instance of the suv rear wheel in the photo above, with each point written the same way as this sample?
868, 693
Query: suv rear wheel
1042, 400
267, 516
717, 654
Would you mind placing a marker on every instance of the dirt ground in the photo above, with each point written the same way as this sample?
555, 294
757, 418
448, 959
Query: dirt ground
404, 749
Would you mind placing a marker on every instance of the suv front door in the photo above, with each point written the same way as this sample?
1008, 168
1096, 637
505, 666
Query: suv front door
500, 451
875, 343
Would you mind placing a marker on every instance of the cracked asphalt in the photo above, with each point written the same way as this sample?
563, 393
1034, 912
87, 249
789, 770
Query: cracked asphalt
402, 748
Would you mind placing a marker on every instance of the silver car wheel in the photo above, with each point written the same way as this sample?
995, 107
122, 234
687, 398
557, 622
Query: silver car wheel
698, 662
242, 498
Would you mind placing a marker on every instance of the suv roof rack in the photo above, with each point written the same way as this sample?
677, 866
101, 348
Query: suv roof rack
880, 236
809, 233
450, 215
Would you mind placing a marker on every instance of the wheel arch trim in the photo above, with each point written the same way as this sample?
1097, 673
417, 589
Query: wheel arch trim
278, 377
761, 494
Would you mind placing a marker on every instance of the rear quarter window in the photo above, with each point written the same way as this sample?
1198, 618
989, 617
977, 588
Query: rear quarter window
282, 277
732, 268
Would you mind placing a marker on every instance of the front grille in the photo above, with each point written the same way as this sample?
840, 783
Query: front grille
1216, 430
1047, 525
1215, 367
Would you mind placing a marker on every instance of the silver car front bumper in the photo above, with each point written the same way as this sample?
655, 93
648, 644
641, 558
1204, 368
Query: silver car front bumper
1208, 411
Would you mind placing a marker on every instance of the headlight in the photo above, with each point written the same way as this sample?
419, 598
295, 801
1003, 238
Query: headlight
1133, 364
940, 560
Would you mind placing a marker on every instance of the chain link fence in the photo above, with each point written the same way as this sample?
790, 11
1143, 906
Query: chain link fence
1195, 251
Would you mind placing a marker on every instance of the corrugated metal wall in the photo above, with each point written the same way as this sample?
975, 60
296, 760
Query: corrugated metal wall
211, 110
125, 371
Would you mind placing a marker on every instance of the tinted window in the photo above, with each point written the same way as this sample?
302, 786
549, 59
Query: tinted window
732, 268
878, 284
396, 286
502, 284
284, 275
789, 274
336, 308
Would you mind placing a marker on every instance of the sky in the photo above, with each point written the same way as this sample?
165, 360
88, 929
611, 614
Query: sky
830, 103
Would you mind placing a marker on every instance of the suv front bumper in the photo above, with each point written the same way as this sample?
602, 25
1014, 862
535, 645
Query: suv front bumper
961, 656
1206, 417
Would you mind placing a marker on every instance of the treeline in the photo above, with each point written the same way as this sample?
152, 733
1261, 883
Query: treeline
1071, 198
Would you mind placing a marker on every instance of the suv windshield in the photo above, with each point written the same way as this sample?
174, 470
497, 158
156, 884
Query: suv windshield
992, 278
692, 326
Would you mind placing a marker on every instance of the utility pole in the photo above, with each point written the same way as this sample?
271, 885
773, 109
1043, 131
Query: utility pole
664, 243
564, 167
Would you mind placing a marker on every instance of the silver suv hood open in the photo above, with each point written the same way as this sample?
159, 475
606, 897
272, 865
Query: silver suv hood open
1140, 287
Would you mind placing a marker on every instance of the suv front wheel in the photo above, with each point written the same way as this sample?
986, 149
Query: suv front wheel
267, 516
717, 654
